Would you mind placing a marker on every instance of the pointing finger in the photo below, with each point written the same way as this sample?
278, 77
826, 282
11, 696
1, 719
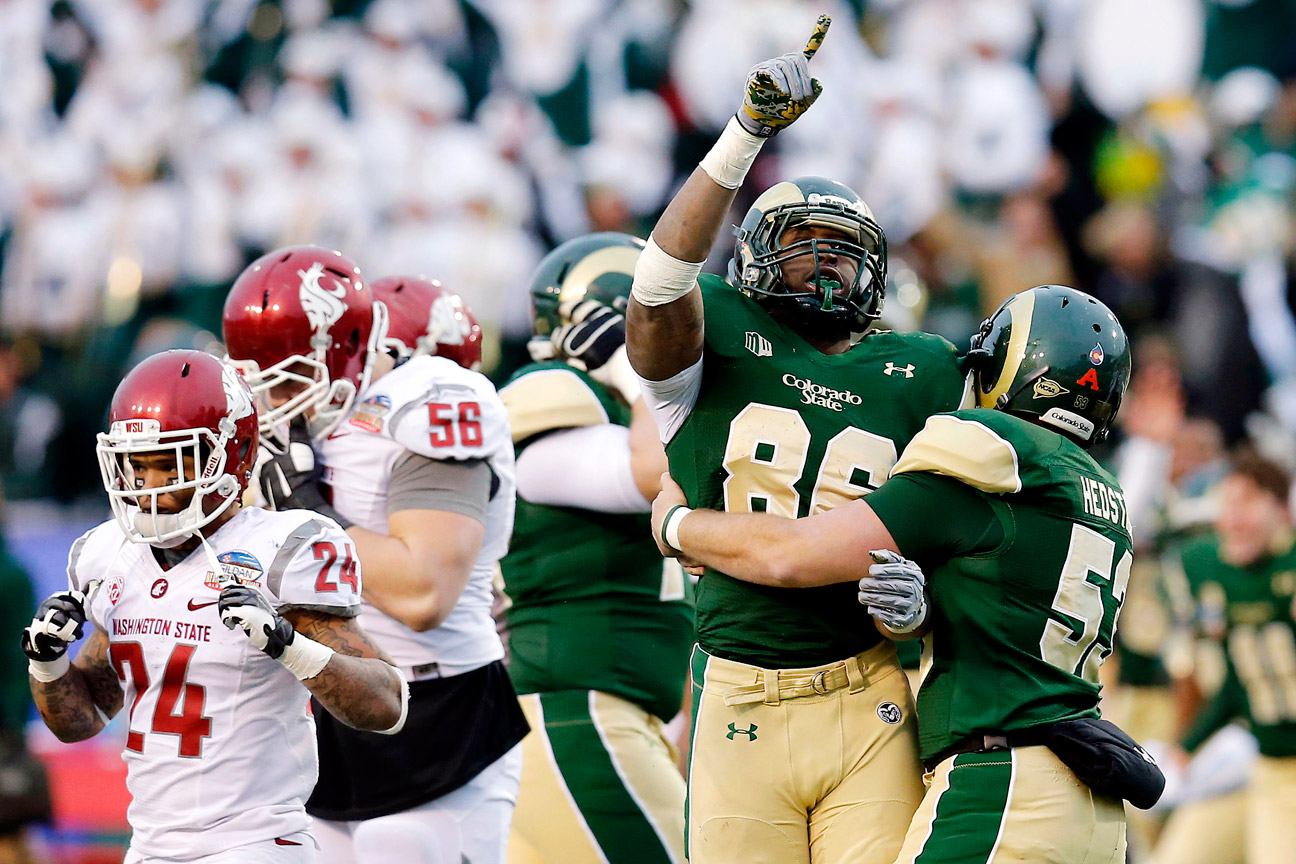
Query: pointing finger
816, 38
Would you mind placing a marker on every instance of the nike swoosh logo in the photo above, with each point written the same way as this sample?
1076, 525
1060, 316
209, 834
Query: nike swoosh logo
194, 607
279, 841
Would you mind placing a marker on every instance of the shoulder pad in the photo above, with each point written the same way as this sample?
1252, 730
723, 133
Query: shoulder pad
96, 548
965, 449
556, 397
315, 566
443, 411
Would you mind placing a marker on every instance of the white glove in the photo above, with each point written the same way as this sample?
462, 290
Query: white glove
244, 606
894, 592
59, 621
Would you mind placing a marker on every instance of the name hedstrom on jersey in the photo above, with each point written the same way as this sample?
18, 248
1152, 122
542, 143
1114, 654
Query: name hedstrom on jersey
1104, 502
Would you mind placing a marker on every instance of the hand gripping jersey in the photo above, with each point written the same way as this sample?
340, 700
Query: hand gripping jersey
780, 427
221, 747
1250, 613
435, 408
594, 606
1026, 545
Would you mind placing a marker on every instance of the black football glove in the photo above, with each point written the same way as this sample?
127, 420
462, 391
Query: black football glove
245, 606
290, 480
595, 332
59, 621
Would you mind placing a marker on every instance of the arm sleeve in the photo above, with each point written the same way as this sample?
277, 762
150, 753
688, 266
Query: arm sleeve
316, 568
421, 483
931, 516
671, 401
587, 468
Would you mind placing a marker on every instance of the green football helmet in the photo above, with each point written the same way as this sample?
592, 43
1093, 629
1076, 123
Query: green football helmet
598, 266
760, 252
1055, 355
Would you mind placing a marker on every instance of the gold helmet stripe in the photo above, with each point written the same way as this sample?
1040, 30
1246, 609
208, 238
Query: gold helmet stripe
1021, 310
610, 259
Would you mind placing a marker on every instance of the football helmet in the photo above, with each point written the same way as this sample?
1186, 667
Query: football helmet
303, 318
1056, 355
760, 251
197, 407
428, 318
596, 266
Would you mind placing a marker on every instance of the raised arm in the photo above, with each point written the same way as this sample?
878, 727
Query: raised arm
664, 320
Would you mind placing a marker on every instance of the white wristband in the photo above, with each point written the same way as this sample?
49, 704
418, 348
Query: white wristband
732, 155
662, 278
46, 671
305, 657
670, 528
404, 697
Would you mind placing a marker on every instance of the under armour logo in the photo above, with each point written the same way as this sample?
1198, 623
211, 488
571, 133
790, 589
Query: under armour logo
891, 369
759, 345
750, 732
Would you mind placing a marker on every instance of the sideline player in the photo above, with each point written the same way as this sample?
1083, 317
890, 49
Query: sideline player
221, 749
776, 406
419, 470
1027, 543
599, 630
1243, 579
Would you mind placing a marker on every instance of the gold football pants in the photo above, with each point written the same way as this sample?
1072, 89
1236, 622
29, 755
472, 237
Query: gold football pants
802, 766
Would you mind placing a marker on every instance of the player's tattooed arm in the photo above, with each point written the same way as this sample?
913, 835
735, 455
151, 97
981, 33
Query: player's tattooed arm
79, 703
360, 685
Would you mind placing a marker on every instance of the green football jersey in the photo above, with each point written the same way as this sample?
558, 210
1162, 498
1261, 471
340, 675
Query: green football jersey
1026, 545
780, 427
1248, 611
594, 606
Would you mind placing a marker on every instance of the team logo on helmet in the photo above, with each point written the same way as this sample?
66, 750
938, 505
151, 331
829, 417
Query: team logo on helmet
444, 327
1096, 355
237, 402
323, 306
1047, 388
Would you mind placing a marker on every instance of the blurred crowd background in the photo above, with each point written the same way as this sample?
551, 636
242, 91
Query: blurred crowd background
1142, 151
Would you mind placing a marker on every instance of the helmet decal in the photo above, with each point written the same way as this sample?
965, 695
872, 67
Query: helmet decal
237, 396
1096, 355
444, 327
323, 306
1022, 309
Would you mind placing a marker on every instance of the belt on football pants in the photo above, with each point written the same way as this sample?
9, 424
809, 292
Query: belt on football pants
774, 685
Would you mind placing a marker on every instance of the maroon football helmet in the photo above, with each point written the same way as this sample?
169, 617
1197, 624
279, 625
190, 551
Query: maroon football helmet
302, 319
190, 404
429, 318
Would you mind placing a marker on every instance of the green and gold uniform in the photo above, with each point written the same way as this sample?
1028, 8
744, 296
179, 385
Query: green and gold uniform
803, 739
599, 635
1026, 545
1250, 614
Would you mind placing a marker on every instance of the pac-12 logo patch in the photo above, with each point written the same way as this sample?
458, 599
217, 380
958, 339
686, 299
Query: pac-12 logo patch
889, 712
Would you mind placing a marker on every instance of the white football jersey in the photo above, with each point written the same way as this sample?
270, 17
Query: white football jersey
436, 408
221, 747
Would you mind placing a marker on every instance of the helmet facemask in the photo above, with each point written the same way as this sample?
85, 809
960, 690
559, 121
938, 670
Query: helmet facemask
136, 509
761, 253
